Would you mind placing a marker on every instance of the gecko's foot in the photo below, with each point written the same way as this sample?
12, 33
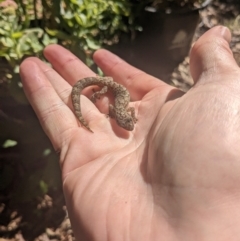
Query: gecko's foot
95, 97
135, 120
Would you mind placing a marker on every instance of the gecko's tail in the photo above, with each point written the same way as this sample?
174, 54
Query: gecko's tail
84, 123
88, 129
76, 107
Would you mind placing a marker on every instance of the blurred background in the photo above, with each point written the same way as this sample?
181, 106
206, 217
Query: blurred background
155, 36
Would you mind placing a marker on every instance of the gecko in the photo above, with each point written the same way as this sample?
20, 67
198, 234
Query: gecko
119, 111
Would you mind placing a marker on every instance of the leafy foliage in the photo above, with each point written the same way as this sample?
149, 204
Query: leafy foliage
26, 27
17, 39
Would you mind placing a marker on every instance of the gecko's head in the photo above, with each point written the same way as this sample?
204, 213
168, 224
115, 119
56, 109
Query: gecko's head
126, 122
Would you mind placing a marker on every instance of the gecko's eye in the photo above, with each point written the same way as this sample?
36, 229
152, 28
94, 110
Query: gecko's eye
128, 124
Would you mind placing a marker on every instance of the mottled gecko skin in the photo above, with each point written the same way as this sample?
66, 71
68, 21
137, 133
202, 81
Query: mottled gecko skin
120, 109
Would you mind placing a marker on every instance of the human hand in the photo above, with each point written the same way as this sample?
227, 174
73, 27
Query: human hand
175, 177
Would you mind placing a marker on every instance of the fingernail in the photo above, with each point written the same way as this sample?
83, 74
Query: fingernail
225, 33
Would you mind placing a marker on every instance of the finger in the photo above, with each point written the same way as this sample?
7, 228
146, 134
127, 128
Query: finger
67, 64
56, 118
211, 55
61, 86
136, 81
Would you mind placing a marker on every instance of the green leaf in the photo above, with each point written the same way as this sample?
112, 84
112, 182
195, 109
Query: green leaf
43, 186
3, 31
92, 45
17, 35
57, 33
9, 143
47, 152
81, 19
7, 42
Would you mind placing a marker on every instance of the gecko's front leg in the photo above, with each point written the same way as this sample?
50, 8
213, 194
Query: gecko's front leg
132, 111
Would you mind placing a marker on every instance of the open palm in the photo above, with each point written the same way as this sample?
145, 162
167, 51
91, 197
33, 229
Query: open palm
158, 181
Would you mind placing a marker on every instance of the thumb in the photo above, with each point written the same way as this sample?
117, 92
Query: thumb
211, 55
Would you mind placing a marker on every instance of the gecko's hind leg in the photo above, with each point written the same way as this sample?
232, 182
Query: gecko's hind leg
98, 94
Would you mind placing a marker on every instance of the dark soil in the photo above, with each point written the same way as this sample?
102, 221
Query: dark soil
218, 13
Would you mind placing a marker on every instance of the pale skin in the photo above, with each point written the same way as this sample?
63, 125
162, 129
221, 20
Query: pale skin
176, 176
